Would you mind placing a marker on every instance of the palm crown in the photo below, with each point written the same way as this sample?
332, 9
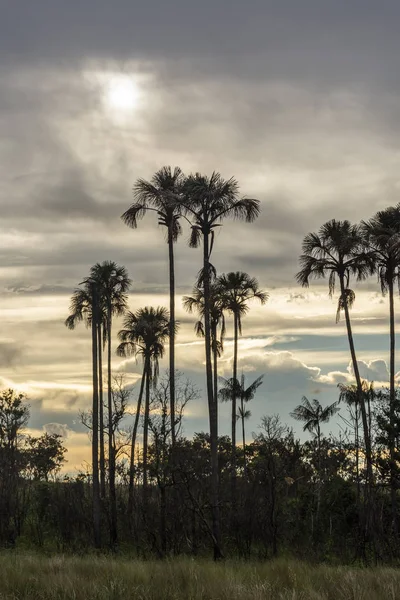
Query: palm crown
145, 333
217, 318
208, 200
382, 234
312, 413
338, 249
235, 290
237, 387
161, 194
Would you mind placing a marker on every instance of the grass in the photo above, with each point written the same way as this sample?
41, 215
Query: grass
101, 578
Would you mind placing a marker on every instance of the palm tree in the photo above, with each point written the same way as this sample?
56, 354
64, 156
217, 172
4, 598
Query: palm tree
244, 394
382, 235
207, 201
338, 250
160, 195
312, 414
217, 323
144, 333
85, 306
113, 282
235, 290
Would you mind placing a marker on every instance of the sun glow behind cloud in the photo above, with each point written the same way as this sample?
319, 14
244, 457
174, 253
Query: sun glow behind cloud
122, 93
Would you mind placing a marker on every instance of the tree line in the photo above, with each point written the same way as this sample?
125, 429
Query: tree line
213, 485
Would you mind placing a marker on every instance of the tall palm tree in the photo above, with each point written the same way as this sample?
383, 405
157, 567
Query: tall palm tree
382, 234
86, 306
113, 283
235, 290
217, 323
144, 334
207, 201
161, 195
338, 250
312, 414
234, 387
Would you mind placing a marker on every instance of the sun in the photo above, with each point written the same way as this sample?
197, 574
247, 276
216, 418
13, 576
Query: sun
122, 93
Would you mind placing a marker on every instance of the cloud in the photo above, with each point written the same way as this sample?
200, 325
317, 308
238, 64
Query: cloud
374, 370
57, 429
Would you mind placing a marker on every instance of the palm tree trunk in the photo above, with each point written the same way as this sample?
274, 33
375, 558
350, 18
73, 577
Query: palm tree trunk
133, 440
233, 455
367, 439
319, 471
212, 404
111, 450
392, 405
357, 442
215, 363
171, 333
244, 439
95, 425
146, 427
101, 416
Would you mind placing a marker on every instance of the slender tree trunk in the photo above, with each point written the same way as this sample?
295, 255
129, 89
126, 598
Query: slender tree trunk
146, 427
171, 334
215, 364
212, 404
392, 405
101, 415
367, 439
95, 425
244, 439
163, 519
111, 450
233, 454
133, 440
319, 471
357, 441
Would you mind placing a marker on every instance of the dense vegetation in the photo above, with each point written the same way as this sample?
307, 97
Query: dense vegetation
325, 498
101, 578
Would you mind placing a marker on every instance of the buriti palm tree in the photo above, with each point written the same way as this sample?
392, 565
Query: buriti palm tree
113, 283
217, 323
160, 195
338, 250
312, 414
236, 289
144, 334
207, 201
86, 306
382, 234
244, 394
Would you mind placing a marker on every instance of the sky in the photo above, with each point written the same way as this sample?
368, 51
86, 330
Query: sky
299, 101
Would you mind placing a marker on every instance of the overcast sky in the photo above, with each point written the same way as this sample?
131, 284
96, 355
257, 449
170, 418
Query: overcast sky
298, 100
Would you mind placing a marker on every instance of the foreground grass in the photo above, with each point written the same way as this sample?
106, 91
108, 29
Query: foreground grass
35, 577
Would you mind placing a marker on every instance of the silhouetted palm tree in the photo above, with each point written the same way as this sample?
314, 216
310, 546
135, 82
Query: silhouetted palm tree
338, 250
235, 290
85, 306
312, 414
382, 234
144, 333
160, 195
113, 283
244, 394
217, 323
208, 201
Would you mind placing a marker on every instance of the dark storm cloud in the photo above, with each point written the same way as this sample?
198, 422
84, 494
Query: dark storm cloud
292, 36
